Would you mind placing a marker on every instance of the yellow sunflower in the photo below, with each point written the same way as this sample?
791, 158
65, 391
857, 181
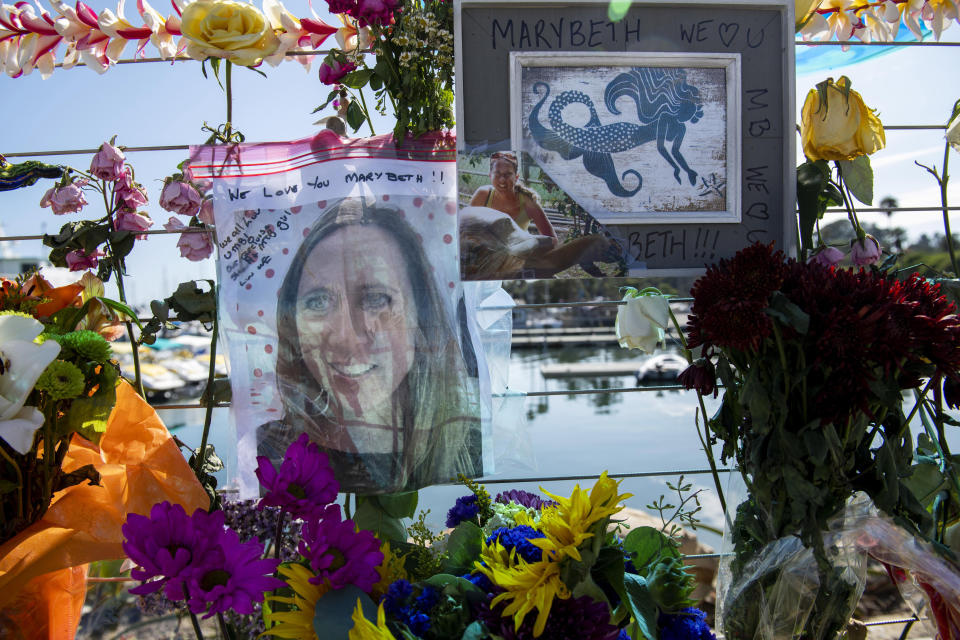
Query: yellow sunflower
296, 624
527, 585
363, 629
568, 524
390, 570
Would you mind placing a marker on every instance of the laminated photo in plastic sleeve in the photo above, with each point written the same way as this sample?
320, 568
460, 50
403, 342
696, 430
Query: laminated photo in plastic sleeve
343, 311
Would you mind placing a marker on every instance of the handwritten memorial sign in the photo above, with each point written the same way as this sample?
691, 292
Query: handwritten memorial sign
682, 190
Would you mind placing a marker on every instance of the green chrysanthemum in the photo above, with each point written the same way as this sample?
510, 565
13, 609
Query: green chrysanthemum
61, 380
15, 313
88, 344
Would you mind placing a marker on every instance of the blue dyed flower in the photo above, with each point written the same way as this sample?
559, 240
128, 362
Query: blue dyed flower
412, 610
688, 624
623, 635
465, 508
427, 599
480, 580
519, 538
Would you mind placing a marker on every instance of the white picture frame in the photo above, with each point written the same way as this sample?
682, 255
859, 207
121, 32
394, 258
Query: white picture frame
630, 168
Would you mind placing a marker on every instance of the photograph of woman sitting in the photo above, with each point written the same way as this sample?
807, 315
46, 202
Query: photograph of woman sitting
368, 362
495, 238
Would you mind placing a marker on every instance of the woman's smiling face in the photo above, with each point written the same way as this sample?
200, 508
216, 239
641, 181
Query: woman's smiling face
503, 175
357, 321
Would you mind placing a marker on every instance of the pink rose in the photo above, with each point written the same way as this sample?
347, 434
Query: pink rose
108, 163
206, 212
132, 221
827, 256
130, 194
66, 199
193, 245
865, 251
79, 260
332, 70
180, 197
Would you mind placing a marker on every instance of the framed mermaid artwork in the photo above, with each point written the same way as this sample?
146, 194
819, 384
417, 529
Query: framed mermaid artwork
633, 137
669, 125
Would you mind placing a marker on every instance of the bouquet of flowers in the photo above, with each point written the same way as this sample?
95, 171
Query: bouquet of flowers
518, 566
57, 379
813, 360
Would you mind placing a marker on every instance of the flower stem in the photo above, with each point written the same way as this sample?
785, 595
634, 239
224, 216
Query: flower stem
229, 91
208, 392
848, 204
704, 436
366, 111
278, 537
118, 272
193, 616
16, 469
946, 215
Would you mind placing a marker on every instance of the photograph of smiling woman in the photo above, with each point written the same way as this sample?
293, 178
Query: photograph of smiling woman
368, 363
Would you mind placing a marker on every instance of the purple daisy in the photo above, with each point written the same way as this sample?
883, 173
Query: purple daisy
304, 483
523, 498
339, 553
164, 546
572, 619
231, 576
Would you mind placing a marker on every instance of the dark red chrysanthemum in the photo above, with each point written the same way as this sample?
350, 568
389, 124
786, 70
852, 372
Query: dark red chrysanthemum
730, 299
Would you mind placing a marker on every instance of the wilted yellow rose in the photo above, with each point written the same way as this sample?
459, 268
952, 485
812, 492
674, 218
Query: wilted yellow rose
837, 125
225, 29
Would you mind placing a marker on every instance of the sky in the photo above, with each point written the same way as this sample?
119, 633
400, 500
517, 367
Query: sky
168, 103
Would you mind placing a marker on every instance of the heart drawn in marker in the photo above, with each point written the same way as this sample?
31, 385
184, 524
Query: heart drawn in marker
728, 31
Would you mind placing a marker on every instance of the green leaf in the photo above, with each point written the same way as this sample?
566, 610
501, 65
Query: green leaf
858, 176
372, 517
463, 548
119, 307
6, 486
376, 82
191, 302
641, 604
355, 116
88, 416
399, 505
122, 244
648, 546
333, 615
357, 79
788, 313
811, 179
475, 631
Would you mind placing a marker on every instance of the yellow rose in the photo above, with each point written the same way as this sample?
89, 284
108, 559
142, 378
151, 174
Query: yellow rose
837, 125
225, 29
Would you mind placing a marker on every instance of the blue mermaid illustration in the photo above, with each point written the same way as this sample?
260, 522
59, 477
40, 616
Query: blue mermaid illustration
665, 103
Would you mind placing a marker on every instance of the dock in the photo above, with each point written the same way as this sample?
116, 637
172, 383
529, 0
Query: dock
591, 369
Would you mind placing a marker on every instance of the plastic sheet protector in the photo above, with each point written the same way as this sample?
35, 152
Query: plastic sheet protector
343, 311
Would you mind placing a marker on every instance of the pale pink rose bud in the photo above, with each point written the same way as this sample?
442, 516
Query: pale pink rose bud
79, 260
828, 257
66, 199
206, 212
180, 197
130, 194
864, 252
193, 246
108, 163
132, 221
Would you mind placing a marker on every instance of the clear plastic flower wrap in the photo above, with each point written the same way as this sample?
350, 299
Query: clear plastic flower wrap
777, 592
928, 581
